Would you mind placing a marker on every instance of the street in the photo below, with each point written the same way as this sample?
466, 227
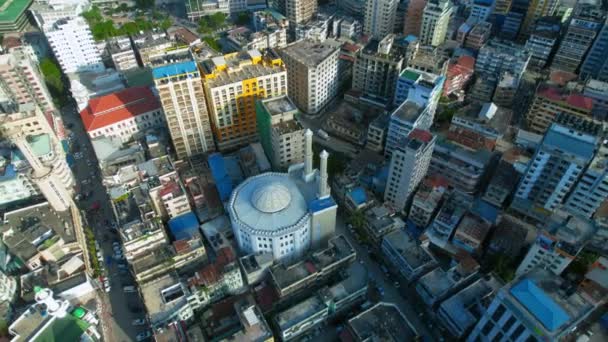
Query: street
118, 309
392, 294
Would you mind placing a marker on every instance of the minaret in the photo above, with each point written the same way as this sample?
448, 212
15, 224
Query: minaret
307, 154
323, 187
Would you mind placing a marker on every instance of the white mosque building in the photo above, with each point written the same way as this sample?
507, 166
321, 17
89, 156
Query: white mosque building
284, 213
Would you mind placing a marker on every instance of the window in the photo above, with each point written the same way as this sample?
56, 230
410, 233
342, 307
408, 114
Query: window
500, 310
487, 328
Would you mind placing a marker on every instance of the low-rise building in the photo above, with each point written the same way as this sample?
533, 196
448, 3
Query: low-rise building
438, 284
123, 115
383, 321
447, 219
410, 259
166, 299
289, 279
381, 220
139, 238
478, 36
471, 233
502, 184
376, 133
427, 200
479, 126
459, 74
460, 312
255, 267
122, 53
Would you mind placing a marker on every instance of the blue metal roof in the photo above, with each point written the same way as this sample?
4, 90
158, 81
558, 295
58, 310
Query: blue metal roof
174, 69
569, 144
485, 210
539, 304
321, 204
183, 226
223, 182
358, 195
9, 173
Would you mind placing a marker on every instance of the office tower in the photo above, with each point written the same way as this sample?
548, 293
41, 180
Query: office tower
424, 88
549, 101
73, 46
281, 135
558, 163
300, 11
377, 68
534, 10
22, 82
585, 23
30, 131
435, 20
379, 17
413, 17
596, 63
592, 190
533, 307
312, 74
179, 86
543, 40
232, 84
409, 164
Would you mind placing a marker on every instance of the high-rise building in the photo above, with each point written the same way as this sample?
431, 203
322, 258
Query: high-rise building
592, 190
481, 10
409, 164
73, 46
22, 82
281, 135
532, 307
179, 86
300, 11
408, 116
535, 10
585, 23
424, 88
352, 7
46, 12
379, 17
413, 17
435, 20
377, 68
558, 163
543, 40
232, 85
498, 56
312, 73
502, 6
550, 101
30, 131
596, 63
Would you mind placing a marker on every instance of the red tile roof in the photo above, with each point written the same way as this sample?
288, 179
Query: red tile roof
116, 107
421, 135
561, 95
466, 62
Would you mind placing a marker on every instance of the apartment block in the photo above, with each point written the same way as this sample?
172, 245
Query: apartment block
312, 73
421, 87
458, 75
300, 11
179, 86
596, 65
379, 18
543, 40
408, 116
408, 258
281, 134
427, 200
232, 85
435, 19
498, 56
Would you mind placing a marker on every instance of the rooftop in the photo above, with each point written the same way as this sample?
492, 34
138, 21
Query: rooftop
409, 249
278, 105
116, 107
383, 322
311, 53
408, 111
473, 227
174, 69
233, 68
560, 138
10, 10
565, 97
297, 313
161, 296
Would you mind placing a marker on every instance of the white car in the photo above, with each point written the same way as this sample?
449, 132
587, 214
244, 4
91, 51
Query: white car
139, 321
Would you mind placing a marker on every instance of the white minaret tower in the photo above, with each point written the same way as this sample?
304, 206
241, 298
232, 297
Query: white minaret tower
323, 187
307, 154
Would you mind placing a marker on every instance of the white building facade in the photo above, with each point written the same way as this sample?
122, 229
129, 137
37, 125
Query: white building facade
73, 46
435, 20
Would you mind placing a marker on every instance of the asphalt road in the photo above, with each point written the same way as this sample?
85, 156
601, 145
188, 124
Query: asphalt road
410, 308
117, 307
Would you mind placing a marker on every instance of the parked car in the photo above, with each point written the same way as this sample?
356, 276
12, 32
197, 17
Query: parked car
143, 335
139, 321
129, 289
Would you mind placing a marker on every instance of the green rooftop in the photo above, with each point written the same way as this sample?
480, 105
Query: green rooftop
40, 144
10, 10
410, 75
68, 328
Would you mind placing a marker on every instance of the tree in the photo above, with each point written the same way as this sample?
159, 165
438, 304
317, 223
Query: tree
243, 18
130, 28
52, 77
357, 219
217, 20
166, 23
92, 16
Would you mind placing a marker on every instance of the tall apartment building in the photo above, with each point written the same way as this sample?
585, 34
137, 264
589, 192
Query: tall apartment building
592, 189
22, 82
435, 19
532, 307
352, 7
409, 164
502, 6
179, 86
300, 11
30, 131
408, 116
379, 18
543, 40
73, 46
47, 12
498, 56
377, 68
481, 10
596, 63
196, 9
281, 135
424, 88
597, 91
232, 85
413, 17
312, 73
558, 163
585, 23
536, 9
549, 101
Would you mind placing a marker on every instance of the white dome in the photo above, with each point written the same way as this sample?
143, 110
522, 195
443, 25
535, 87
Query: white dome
270, 198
